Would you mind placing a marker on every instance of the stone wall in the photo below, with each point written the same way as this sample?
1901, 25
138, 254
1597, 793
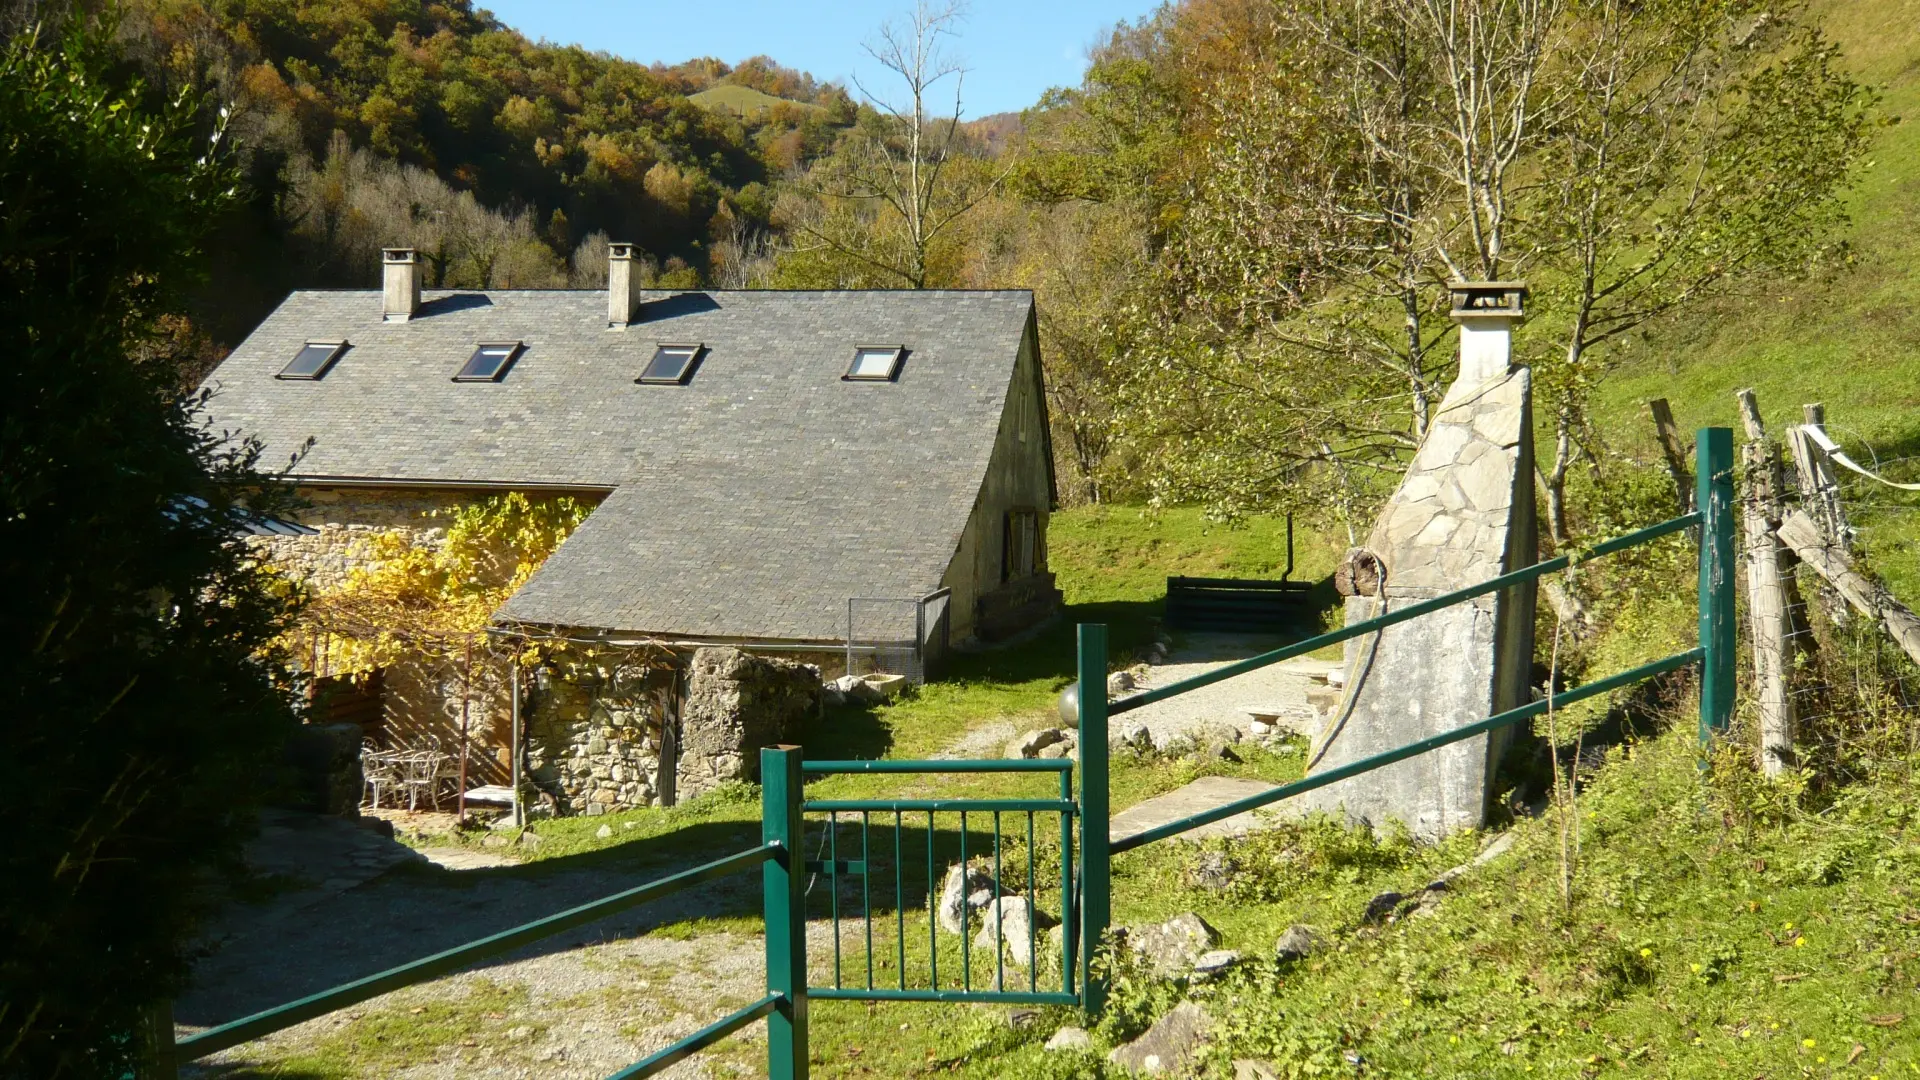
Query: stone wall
1463, 514
737, 703
594, 736
597, 736
348, 519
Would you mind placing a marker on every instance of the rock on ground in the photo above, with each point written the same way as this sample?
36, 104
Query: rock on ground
1018, 922
1169, 1045
1030, 744
1171, 948
1071, 1038
1298, 943
1214, 962
966, 890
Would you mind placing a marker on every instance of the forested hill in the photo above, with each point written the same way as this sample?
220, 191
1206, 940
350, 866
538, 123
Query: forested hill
508, 162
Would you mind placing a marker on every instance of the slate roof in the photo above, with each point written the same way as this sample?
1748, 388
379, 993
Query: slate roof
749, 503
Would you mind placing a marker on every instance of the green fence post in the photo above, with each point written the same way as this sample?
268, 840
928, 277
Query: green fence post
1713, 449
159, 1035
784, 892
1096, 896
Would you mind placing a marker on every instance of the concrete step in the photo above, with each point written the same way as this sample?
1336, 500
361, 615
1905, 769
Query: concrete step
1203, 794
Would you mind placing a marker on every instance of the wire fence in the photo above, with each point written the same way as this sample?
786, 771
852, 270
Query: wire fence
1853, 695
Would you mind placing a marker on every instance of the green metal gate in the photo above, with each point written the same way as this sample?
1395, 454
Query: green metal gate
921, 815
1084, 887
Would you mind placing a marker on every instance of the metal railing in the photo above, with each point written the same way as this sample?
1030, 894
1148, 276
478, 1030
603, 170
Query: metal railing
783, 1006
1085, 883
865, 868
1714, 654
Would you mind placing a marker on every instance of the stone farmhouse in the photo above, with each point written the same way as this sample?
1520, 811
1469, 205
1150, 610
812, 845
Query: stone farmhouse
825, 477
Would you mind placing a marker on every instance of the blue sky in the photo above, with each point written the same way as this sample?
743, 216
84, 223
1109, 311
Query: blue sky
1015, 49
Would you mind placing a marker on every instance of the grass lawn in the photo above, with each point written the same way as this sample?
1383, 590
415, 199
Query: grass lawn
1112, 565
1848, 338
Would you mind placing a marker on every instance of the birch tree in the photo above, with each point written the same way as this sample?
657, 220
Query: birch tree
902, 183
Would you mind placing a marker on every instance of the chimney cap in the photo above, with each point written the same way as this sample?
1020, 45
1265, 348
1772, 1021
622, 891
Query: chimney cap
1484, 299
619, 251
398, 255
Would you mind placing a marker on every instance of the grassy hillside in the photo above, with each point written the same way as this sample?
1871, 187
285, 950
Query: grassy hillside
1850, 340
743, 101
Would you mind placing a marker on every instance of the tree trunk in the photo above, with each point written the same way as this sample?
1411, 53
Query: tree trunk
1868, 597
1670, 448
1767, 599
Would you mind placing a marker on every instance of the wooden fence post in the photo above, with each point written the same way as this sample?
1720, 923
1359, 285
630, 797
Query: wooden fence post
1867, 596
1669, 434
159, 1035
1768, 597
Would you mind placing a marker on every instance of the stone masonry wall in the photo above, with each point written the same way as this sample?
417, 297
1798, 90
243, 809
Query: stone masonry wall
1463, 514
594, 736
737, 703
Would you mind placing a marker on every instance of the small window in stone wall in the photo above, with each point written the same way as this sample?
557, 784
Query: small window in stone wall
1022, 545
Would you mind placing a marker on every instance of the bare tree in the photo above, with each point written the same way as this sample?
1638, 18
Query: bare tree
895, 184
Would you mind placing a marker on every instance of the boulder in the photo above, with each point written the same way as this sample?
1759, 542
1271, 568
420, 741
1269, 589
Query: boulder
1380, 907
1071, 1038
966, 889
1030, 744
604, 832
1250, 1069
1015, 920
1213, 963
1171, 948
1172, 1043
1120, 682
1298, 943
855, 688
1135, 737
1212, 871
1061, 749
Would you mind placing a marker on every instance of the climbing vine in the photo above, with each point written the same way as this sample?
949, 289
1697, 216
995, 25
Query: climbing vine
433, 593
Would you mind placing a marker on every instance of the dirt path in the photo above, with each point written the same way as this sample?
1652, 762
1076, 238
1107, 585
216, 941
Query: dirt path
581, 1004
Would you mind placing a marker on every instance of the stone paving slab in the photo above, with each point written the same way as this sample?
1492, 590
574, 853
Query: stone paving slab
1203, 794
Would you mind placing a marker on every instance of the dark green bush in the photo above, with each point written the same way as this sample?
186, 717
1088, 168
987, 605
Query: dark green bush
142, 708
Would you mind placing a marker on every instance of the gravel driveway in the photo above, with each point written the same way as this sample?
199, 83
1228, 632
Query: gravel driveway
1281, 686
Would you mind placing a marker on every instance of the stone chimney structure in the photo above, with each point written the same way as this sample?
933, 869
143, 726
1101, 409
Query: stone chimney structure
400, 283
623, 285
1464, 513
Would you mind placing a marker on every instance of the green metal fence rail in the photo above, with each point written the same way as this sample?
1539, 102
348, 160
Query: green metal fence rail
1000, 988
784, 1006
1714, 654
1085, 874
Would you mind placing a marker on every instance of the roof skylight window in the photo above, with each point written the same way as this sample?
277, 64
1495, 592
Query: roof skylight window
876, 363
672, 365
488, 362
313, 360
